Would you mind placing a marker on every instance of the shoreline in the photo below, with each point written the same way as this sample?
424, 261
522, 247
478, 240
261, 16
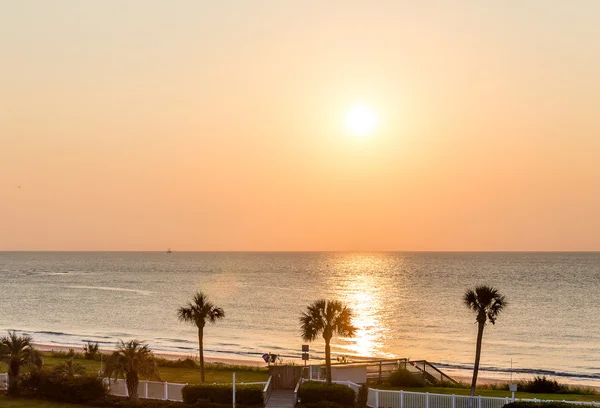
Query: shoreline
50, 347
459, 376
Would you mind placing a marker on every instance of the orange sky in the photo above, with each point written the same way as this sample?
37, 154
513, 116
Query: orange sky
142, 125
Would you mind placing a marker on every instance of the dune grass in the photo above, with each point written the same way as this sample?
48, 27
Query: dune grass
215, 373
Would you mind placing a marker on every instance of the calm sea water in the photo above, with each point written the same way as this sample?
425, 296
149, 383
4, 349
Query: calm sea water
406, 304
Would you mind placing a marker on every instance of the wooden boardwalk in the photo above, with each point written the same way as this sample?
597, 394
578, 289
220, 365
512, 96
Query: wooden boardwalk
281, 399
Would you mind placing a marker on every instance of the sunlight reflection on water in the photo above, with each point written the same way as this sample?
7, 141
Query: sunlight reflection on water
360, 287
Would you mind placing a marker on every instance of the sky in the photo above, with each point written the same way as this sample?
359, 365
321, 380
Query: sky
219, 125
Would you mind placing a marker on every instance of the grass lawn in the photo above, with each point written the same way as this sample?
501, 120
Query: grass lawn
173, 375
496, 393
27, 403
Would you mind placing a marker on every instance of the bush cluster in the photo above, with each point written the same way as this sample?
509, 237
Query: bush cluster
541, 385
52, 386
362, 396
315, 392
181, 363
404, 378
321, 404
222, 394
91, 351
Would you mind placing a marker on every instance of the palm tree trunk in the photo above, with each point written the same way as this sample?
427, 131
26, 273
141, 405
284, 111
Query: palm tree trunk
201, 349
477, 356
132, 387
13, 377
328, 360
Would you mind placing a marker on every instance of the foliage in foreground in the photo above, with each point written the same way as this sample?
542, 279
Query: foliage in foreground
17, 351
404, 378
131, 360
362, 396
54, 386
321, 404
543, 385
314, 391
223, 394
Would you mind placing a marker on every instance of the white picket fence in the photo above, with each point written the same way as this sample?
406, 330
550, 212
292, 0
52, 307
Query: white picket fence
146, 389
376, 399
405, 399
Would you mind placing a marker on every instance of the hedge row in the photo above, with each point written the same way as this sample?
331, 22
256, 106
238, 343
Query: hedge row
51, 386
223, 394
314, 392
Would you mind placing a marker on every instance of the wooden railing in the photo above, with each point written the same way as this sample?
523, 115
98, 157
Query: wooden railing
296, 390
267, 390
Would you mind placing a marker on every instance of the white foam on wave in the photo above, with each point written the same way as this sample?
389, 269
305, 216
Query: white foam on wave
141, 292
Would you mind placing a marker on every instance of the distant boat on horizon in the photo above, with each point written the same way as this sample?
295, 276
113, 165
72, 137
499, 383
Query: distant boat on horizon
169, 250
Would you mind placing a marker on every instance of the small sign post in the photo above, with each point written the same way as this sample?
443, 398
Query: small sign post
513, 389
234, 389
305, 351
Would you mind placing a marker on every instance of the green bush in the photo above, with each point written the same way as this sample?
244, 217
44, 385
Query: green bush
556, 404
404, 378
321, 404
314, 391
120, 402
223, 394
49, 385
181, 363
362, 396
541, 385
91, 351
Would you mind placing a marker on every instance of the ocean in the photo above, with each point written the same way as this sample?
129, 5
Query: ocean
407, 305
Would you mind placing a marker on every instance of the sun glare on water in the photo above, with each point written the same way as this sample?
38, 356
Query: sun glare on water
361, 120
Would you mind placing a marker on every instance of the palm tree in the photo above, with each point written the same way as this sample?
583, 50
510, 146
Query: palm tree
16, 352
198, 312
70, 368
486, 302
327, 317
130, 360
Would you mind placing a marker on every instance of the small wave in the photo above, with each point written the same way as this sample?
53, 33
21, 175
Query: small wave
141, 292
173, 340
53, 333
532, 371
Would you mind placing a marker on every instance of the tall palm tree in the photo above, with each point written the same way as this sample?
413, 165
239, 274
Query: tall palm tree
486, 302
327, 317
16, 352
198, 312
130, 360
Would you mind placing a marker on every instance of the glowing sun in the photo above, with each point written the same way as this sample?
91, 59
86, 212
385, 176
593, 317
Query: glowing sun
361, 120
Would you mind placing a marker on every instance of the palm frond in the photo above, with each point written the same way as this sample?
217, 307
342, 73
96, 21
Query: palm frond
486, 302
200, 311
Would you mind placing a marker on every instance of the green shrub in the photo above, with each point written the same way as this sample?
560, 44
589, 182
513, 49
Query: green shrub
554, 404
313, 392
321, 404
91, 351
362, 396
404, 378
49, 385
181, 363
120, 402
541, 385
223, 394
64, 354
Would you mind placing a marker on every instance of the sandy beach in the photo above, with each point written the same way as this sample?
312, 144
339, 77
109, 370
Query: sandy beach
47, 347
